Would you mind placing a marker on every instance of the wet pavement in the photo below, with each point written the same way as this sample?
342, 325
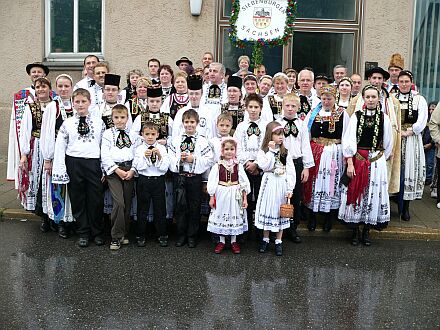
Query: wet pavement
50, 283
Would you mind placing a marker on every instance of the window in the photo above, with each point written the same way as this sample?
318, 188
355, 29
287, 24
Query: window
327, 33
74, 28
426, 50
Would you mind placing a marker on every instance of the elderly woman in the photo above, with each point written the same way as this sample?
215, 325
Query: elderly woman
166, 77
56, 202
414, 115
273, 104
130, 90
32, 178
344, 92
178, 98
138, 104
366, 145
327, 124
243, 64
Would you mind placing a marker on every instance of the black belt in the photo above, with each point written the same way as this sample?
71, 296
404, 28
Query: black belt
298, 160
126, 164
156, 177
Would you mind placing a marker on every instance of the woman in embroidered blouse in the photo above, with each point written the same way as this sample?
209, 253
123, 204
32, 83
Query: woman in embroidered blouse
344, 92
138, 103
366, 144
326, 123
32, 178
56, 202
178, 99
414, 115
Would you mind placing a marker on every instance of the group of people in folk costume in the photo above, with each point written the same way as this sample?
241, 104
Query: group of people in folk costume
241, 143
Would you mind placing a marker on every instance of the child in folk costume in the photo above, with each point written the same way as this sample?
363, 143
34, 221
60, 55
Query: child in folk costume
224, 128
77, 163
32, 178
367, 143
57, 201
151, 162
249, 135
117, 153
296, 140
191, 155
228, 187
277, 185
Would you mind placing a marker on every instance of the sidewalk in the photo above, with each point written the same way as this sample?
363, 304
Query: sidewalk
424, 223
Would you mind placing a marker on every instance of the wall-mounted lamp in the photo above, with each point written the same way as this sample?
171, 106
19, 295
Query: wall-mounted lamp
195, 7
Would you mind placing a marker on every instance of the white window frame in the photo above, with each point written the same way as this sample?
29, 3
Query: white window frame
75, 55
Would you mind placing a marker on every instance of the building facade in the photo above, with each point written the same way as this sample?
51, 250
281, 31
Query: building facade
127, 33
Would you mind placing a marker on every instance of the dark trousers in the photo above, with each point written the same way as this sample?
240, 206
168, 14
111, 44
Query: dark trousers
122, 193
252, 197
297, 195
188, 222
86, 195
438, 178
151, 189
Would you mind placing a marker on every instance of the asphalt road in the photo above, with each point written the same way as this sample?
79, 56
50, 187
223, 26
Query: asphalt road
323, 283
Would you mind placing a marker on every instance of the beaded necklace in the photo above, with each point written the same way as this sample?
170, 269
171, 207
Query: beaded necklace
362, 122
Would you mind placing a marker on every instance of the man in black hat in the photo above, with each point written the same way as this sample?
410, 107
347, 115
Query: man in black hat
34, 70
391, 106
110, 97
234, 107
320, 80
184, 63
207, 114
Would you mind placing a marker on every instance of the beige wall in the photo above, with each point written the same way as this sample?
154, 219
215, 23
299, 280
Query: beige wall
387, 30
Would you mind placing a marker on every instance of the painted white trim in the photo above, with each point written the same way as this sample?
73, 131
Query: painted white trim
74, 56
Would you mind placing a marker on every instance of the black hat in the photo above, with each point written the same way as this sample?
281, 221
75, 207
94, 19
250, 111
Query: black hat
112, 79
37, 64
322, 76
235, 81
154, 92
194, 82
378, 69
184, 59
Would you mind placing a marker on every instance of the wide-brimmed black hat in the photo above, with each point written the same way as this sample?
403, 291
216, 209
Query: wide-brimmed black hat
37, 64
194, 82
378, 69
112, 79
235, 81
154, 92
184, 59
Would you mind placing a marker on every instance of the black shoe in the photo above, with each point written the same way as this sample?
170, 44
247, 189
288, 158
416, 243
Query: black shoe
405, 212
311, 223
263, 246
53, 226
279, 249
44, 227
355, 237
83, 242
192, 243
366, 236
140, 241
62, 231
327, 224
293, 236
99, 241
163, 241
180, 242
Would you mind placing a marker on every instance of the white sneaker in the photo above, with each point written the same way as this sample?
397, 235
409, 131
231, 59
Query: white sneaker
125, 241
434, 193
438, 205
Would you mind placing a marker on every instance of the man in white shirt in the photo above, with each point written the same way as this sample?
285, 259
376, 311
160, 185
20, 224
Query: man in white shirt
89, 64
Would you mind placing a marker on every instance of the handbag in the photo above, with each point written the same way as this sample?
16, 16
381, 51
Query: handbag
286, 210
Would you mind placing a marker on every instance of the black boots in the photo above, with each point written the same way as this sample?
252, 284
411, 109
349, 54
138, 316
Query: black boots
293, 234
311, 223
355, 236
366, 236
405, 211
329, 219
45, 224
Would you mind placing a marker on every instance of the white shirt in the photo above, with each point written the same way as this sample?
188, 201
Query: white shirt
248, 146
207, 125
111, 154
144, 166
